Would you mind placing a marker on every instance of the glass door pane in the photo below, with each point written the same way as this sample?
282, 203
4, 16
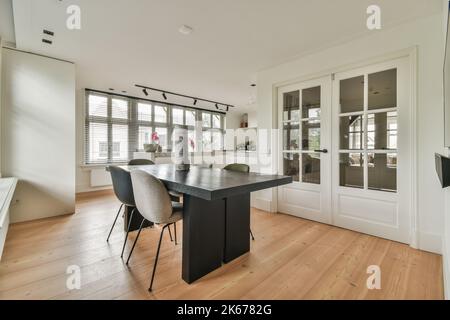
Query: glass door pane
291, 164
291, 106
310, 123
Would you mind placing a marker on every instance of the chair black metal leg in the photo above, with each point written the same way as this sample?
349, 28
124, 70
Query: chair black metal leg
114, 223
175, 231
170, 233
157, 255
135, 240
251, 233
128, 231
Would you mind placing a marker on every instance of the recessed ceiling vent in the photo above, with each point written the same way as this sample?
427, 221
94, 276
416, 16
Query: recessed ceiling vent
48, 32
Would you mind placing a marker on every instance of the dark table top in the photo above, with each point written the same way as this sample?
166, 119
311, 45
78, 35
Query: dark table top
211, 184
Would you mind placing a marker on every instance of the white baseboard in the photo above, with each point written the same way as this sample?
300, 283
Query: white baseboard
262, 204
87, 188
430, 242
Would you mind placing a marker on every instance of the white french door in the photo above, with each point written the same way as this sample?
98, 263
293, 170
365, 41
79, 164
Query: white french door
372, 150
304, 114
347, 144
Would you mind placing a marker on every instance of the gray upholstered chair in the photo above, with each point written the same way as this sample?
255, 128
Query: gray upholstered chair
154, 204
121, 181
140, 162
175, 196
239, 167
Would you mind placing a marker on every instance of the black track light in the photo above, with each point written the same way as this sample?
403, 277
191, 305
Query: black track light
228, 108
164, 96
195, 102
145, 92
217, 106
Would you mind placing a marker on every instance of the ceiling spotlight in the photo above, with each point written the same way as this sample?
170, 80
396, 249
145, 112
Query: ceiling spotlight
164, 96
145, 92
228, 108
217, 106
253, 85
195, 102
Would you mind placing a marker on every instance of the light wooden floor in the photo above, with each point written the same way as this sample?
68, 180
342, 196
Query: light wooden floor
291, 258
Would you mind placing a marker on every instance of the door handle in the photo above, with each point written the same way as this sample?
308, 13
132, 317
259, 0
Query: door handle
322, 151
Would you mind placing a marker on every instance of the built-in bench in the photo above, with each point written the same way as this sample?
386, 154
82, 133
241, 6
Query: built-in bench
7, 187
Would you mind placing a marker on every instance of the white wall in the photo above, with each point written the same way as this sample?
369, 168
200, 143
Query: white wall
7, 22
446, 233
38, 134
426, 34
1, 45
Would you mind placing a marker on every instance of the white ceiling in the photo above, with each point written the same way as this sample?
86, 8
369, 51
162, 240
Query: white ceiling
124, 42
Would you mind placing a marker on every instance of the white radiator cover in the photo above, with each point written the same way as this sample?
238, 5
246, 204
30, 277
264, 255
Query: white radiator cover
100, 178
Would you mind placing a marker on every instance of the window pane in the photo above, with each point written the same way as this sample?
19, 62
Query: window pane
291, 165
190, 117
120, 142
207, 147
291, 106
119, 108
144, 112
311, 135
206, 119
177, 116
383, 89
216, 121
311, 168
98, 106
145, 136
382, 131
162, 135
160, 114
217, 140
383, 171
98, 142
351, 133
291, 136
352, 94
351, 170
311, 103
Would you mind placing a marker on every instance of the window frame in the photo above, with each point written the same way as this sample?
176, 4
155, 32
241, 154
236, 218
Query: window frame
134, 123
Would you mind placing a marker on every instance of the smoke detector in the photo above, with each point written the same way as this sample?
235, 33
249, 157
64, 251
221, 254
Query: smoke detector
186, 30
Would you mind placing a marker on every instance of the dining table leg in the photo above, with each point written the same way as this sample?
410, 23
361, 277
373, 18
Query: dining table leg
237, 226
203, 236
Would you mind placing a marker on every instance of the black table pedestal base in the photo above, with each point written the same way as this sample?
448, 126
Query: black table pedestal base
214, 232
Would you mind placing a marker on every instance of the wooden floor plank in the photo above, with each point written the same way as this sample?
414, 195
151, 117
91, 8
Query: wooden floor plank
291, 258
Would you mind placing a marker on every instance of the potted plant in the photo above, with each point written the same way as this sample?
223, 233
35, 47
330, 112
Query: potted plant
154, 146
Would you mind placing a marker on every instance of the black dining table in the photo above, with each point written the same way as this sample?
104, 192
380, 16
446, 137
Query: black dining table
216, 212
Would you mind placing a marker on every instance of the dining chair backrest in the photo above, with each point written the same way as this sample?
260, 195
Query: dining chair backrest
238, 167
152, 198
140, 162
122, 186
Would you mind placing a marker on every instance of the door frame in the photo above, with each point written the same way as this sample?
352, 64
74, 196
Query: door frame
412, 54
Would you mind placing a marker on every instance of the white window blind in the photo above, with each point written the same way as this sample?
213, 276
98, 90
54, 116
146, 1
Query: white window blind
117, 126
